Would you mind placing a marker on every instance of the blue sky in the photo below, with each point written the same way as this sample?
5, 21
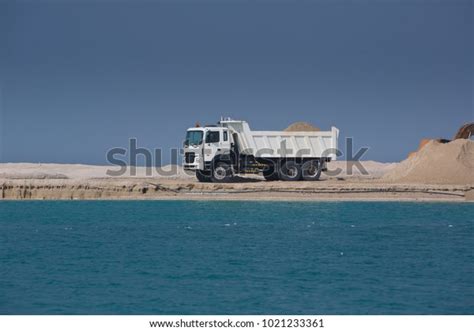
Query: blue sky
80, 77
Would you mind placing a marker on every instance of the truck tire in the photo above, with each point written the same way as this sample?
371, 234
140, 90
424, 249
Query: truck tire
221, 173
290, 171
311, 170
203, 176
270, 173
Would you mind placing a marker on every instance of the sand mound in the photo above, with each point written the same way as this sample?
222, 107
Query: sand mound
301, 126
465, 131
438, 163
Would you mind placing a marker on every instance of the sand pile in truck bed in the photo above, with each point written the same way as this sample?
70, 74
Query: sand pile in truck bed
437, 163
301, 126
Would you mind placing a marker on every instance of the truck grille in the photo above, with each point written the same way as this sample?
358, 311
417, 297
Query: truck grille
189, 157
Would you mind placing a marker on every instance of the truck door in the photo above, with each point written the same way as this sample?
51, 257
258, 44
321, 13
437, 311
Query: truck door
225, 141
212, 145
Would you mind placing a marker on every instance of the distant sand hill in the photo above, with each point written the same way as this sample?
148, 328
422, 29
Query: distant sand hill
301, 126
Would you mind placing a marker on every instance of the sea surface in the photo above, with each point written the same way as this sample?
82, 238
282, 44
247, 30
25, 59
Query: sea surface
193, 257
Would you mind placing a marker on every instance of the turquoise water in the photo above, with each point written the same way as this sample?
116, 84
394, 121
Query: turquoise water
181, 257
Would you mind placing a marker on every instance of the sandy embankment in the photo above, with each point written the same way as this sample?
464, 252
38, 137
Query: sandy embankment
58, 181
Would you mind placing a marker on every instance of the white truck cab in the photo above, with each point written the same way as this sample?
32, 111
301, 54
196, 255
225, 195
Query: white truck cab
218, 152
203, 144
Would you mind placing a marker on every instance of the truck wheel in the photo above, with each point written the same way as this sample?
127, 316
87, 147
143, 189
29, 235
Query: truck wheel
270, 174
221, 173
311, 170
290, 171
203, 176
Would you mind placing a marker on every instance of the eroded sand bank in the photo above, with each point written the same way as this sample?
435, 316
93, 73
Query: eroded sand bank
72, 182
344, 187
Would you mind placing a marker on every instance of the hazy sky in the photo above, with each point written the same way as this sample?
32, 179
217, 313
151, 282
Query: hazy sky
80, 77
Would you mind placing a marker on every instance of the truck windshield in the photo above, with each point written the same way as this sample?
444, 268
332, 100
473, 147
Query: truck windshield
193, 138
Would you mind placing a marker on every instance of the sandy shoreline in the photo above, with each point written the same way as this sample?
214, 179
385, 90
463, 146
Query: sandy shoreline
82, 182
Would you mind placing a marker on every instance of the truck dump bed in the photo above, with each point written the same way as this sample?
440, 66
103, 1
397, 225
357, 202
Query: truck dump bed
270, 144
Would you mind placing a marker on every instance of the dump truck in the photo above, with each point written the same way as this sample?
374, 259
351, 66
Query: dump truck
216, 153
